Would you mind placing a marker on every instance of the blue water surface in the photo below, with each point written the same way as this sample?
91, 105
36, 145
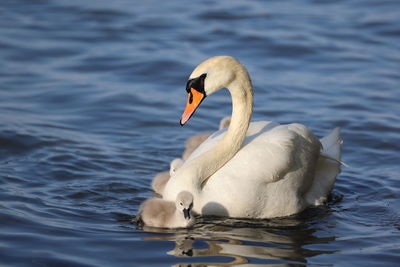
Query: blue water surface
91, 93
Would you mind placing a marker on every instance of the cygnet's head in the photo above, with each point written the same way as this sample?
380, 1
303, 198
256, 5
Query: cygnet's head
175, 165
184, 203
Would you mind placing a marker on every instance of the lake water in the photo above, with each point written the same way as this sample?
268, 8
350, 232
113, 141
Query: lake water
91, 93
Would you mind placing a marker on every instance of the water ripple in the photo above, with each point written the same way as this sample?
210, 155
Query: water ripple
90, 99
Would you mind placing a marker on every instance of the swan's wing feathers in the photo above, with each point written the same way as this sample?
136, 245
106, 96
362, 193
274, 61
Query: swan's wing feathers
327, 169
291, 148
282, 137
266, 156
280, 147
331, 139
332, 144
269, 152
274, 155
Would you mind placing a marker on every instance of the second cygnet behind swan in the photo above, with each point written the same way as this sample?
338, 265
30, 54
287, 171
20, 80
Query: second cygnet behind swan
162, 178
195, 141
157, 212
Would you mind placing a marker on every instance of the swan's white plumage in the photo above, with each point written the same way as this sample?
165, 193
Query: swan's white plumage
266, 177
276, 171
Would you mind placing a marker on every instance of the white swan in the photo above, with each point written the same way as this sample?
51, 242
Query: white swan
254, 170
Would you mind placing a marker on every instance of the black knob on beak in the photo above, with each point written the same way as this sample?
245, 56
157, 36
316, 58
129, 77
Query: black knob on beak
186, 214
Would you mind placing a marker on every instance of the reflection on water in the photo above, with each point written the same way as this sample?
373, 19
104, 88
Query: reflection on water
226, 241
90, 98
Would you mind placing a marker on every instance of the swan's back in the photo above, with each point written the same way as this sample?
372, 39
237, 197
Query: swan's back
255, 129
274, 162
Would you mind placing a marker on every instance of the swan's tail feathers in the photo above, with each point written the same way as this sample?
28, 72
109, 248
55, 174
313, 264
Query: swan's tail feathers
332, 144
328, 167
333, 159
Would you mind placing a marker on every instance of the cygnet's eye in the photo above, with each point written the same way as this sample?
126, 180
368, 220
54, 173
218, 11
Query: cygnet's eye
181, 204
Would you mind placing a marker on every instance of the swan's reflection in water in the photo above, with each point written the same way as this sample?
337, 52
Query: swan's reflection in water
223, 242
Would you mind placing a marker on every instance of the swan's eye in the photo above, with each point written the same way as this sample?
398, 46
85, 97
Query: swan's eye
181, 204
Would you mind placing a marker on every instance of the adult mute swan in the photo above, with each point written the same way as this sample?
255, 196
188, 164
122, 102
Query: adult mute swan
253, 170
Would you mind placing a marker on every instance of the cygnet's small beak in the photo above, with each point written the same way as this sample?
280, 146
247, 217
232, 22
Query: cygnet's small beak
194, 100
186, 214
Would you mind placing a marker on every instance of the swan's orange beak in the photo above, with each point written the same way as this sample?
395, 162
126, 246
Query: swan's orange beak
193, 102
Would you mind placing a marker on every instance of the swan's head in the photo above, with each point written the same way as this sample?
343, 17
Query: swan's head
184, 203
208, 77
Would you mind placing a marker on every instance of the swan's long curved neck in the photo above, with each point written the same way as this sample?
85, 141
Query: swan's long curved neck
242, 108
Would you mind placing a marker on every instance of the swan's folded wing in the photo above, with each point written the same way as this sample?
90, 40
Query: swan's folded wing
278, 153
269, 152
267, 155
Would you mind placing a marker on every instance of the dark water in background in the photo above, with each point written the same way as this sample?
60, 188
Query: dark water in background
90, 97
